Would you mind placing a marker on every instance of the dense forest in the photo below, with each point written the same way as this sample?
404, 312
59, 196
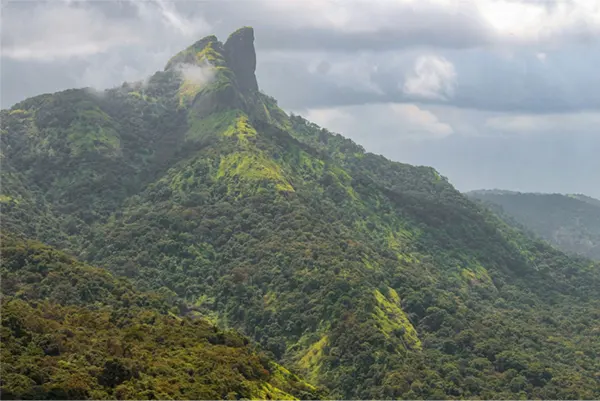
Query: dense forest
366, 277
72, 331
570, 222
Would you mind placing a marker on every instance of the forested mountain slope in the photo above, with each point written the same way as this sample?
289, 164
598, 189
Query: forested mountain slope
72, 331
373, 278
571, 222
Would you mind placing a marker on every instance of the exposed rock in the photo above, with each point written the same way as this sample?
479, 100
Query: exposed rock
241, 58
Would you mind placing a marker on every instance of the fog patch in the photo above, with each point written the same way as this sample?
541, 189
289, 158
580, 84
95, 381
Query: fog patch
101, 93
198, 74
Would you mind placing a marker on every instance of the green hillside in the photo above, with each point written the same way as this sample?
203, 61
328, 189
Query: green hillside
372, 278
570, 222
72, 331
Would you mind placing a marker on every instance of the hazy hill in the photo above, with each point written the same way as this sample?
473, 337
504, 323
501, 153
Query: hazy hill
570, 222
373, 278
587, 199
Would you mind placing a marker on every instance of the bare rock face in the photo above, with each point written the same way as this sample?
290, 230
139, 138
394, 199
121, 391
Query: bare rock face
241, 58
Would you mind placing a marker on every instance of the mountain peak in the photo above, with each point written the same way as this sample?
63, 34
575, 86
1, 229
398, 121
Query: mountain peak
241, 57
195, 53
236, 58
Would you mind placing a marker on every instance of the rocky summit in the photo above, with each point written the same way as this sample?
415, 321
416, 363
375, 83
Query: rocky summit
241, 57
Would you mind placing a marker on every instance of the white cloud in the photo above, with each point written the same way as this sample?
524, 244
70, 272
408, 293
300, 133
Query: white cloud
63, 29
381, 125
541, 21
60, 31
535, 124
197, 74
433, 77
102, 75
419, 122
163, 12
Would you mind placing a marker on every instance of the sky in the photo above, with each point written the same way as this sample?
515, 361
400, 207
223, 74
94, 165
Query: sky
493, 93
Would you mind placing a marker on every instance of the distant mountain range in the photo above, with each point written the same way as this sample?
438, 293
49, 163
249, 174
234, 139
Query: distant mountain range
570, 222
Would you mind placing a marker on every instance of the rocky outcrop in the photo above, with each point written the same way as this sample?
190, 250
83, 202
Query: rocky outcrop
241, 58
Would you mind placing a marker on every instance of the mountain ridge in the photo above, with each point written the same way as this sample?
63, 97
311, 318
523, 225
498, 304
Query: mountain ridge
580, 196
570, 222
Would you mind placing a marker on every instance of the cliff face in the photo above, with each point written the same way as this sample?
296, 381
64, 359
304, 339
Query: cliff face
241, 57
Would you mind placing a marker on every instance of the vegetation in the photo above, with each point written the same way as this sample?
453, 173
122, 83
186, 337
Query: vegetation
570, 222
72, 331
372, 278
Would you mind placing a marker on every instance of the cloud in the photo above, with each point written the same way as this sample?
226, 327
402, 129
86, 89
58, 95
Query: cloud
527, 22
197, 74
61, 31
65, 29
355, 72
106, 70
535, 124
433, 77
170, 17
370, 26
391, 25
338, 53
481, 79
381, 125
